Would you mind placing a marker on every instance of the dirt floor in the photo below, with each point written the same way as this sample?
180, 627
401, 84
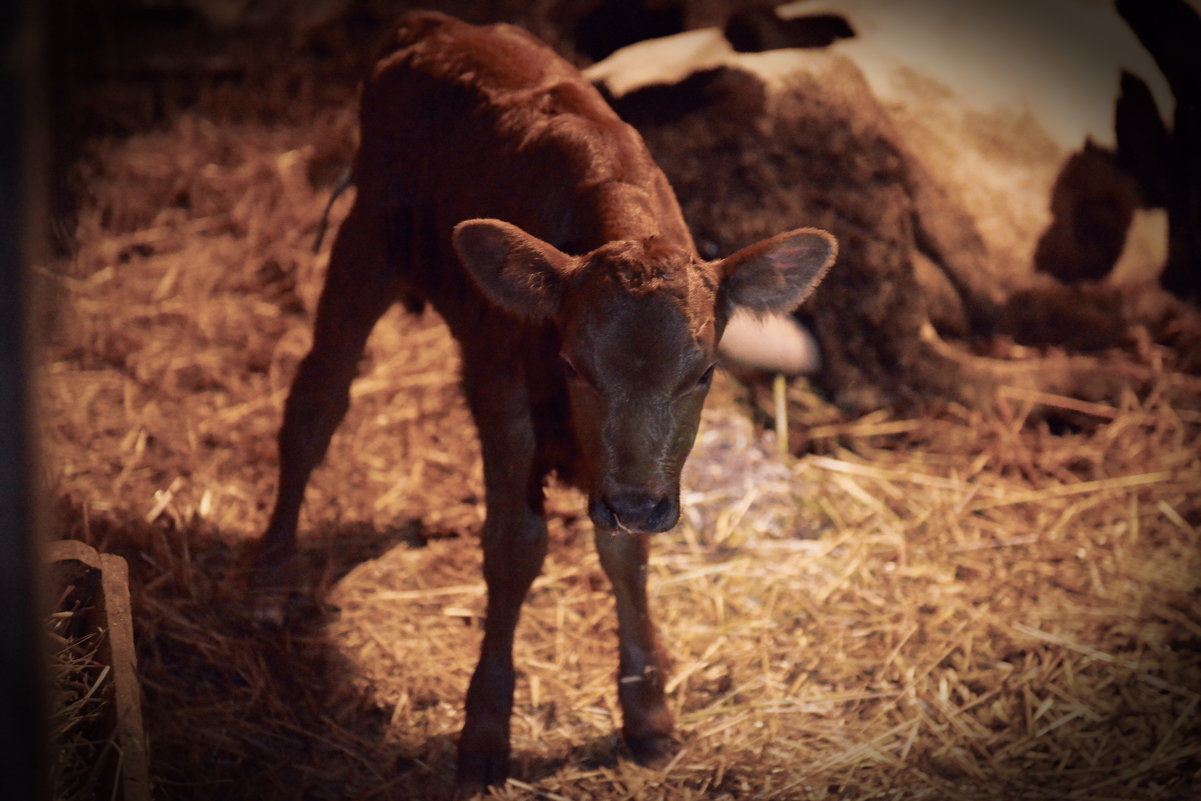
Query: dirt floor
996, 602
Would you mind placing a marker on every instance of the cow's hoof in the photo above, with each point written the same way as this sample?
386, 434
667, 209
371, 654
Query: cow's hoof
653, 751
478, 772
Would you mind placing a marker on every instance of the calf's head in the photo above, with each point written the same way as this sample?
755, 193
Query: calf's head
639, 324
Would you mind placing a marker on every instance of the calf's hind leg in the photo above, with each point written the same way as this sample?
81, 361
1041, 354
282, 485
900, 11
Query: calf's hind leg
359, 287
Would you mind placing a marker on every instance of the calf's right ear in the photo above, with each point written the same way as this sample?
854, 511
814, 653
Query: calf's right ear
516, 271
775, 275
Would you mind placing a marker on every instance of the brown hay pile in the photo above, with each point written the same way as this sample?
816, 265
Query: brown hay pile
961, 606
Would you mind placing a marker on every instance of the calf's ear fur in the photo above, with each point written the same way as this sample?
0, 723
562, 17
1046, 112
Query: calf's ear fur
775, 275
516, 271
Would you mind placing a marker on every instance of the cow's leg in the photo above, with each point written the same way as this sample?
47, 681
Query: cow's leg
514, 542
642, 668
360, 285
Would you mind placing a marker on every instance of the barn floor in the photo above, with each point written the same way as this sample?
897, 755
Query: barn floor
999, 602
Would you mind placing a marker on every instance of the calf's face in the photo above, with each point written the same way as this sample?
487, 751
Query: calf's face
639, 342
639, 325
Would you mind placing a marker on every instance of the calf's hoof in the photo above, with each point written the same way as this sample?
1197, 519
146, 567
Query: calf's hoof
271, 590
652, 751
477, 772
274, 607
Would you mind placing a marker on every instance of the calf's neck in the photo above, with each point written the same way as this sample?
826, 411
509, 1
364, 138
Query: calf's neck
496, 184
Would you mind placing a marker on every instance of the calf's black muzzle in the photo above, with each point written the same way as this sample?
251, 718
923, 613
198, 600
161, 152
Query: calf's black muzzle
634, 511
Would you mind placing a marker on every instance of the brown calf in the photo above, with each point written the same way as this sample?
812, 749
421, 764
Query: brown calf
495, 183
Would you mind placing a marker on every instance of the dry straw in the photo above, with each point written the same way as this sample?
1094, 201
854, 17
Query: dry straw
959, 606
78, 708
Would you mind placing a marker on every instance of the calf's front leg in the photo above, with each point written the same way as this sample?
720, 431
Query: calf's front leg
513, 553
642, 664
514, 543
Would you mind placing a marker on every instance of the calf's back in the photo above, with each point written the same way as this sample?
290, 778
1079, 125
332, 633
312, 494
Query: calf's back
461, 122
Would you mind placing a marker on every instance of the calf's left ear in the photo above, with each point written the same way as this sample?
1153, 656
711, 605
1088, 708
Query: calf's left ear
775, 275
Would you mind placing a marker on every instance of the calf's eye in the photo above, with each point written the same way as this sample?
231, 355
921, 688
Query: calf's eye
706, 377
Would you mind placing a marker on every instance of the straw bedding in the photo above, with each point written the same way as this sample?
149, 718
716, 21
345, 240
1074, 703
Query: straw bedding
997, 602
80, 701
